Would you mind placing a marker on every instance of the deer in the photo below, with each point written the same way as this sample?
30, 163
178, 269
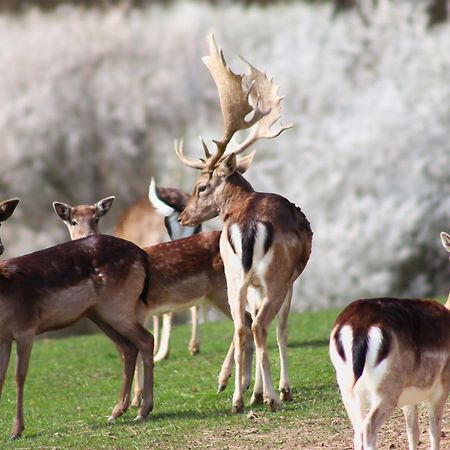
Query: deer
147, 223
182, 274
7, 207
266, 240
83, 220
100, 277
388, 353
141, 224
187, 272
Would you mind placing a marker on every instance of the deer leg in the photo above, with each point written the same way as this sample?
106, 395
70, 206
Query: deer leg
23, 348
227, 367
380, 410
353, 407
5, 353
412, 425
237, 305
163, 351
138, 382
194, 344
436, 414
282, 334
128, 353
269, 308
156, 333
144, 342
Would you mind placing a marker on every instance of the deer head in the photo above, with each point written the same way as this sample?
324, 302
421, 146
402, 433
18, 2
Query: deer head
240, 96
6, 209
83, 220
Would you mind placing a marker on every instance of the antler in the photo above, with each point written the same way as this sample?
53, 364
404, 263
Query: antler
234, 93
264, 91
233, 99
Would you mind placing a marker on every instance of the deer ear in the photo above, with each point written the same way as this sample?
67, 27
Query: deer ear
102, 206
63, 210
227, 166
243, 164
445, 238
7, 208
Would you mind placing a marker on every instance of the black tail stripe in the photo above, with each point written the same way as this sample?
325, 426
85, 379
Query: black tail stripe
230, 240
248, 245
359, 352
339, 346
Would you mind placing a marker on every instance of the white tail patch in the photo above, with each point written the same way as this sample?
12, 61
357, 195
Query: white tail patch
163, 209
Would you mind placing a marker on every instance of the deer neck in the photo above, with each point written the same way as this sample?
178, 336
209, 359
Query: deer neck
233, 195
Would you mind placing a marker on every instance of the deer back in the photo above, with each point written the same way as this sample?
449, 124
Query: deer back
51, 288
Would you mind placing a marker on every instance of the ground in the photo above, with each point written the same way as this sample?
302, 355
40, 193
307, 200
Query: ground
314, 434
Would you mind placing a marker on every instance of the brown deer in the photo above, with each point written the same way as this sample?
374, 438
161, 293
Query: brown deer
390, 352
7, 207
82, 220
182, 274
99, 277
189, 272
266, 240
152, 222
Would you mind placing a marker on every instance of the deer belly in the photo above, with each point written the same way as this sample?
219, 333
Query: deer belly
412, 395
65, 307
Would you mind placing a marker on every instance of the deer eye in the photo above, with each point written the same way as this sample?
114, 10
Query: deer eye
73, 222
202, 188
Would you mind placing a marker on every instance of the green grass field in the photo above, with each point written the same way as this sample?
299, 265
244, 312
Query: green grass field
73, 383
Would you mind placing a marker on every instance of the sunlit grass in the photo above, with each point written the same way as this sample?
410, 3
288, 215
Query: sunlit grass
73, 384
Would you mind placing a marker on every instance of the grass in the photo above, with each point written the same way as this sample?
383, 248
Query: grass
73, 383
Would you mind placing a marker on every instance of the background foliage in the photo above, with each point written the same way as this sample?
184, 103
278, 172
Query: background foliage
91, 100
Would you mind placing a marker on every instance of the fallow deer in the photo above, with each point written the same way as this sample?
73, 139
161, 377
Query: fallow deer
139, 219
190, 271
185, 273
266, 240
390, 352
7, 207
82, 220
99, 277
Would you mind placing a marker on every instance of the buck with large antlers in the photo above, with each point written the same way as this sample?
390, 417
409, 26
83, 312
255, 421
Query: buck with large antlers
266, 240
7, 207
99, 277
390, 352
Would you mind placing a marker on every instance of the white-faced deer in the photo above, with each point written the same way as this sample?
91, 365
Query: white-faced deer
390, 352
7, 207
82, 220
190, 271
99, 277
266, 240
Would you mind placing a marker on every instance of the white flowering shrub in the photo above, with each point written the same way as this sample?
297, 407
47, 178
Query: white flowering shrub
90, 103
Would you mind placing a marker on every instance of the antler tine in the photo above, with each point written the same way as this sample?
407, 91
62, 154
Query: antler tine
263, 91
179, 150
205, 148
233, 99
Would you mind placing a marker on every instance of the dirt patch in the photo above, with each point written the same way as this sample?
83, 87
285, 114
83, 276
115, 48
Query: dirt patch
313, 434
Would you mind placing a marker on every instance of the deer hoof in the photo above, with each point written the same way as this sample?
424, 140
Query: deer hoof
237, 408
13, 437
286, 395
194, 349
138, 419
273, 404
111, 419
221, 388
257, 399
